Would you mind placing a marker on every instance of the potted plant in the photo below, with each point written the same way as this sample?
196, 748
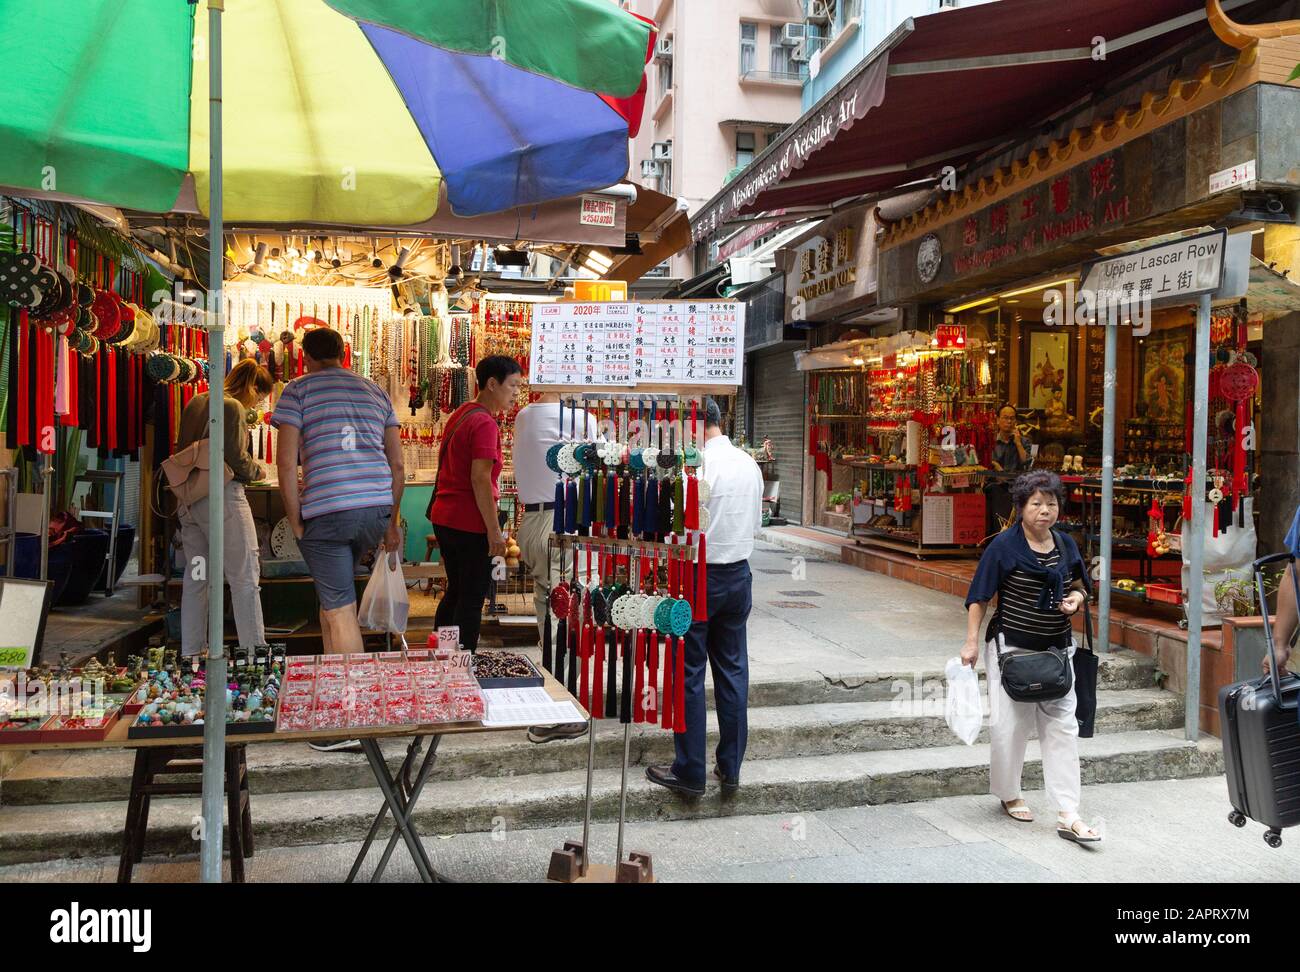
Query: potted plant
1236, 596
1242, 625
838, 501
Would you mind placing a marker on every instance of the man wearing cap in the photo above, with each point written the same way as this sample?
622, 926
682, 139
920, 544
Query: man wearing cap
734, 506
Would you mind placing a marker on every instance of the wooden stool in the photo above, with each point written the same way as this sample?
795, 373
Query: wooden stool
161, 761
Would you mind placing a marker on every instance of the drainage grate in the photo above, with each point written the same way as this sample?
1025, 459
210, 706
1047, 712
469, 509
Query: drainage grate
791, 604
773, 570
800, 593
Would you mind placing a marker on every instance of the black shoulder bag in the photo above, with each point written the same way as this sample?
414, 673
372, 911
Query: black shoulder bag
1040, 676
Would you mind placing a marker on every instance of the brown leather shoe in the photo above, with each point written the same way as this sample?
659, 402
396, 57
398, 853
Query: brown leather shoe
663, 775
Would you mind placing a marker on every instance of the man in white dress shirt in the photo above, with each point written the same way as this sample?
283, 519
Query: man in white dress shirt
735, 512
537, 428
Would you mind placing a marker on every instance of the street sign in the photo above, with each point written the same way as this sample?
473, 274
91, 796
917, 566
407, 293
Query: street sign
1166, 273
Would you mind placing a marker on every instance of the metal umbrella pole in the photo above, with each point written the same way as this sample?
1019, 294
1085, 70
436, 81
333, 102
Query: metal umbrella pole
1107, 481
586, 810
622, 793
1196, 556
214, 725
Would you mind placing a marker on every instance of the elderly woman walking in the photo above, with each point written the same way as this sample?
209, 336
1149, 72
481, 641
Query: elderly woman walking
1038, 578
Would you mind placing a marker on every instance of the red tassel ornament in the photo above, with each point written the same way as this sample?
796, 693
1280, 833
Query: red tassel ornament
701, 601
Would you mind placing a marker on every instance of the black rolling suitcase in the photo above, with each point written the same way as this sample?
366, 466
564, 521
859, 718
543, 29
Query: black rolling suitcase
1261, 738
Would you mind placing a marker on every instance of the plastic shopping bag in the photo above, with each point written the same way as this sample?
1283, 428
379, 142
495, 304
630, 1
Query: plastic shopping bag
385, 605
962, 707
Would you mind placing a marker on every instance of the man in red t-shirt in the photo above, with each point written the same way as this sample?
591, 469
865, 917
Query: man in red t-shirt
464, 510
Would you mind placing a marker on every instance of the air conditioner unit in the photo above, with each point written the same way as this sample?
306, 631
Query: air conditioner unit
820, 10
662, 150
791, 34
664, 48
651, 169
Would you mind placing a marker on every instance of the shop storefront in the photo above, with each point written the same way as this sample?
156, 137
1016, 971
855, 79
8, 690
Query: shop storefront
830, 294
1181, 173
769, 408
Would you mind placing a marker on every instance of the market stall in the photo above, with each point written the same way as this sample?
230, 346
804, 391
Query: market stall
156, 706
291, 139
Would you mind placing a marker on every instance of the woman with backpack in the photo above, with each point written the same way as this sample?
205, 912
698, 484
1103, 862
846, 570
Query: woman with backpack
1039, 580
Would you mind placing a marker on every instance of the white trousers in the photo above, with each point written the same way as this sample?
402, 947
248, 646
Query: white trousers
242, 568
1010, 723
534, 537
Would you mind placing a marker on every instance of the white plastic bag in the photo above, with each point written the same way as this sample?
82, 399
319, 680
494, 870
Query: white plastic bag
962, 707
385, 605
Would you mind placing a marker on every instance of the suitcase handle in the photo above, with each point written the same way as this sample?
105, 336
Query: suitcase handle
1258, 568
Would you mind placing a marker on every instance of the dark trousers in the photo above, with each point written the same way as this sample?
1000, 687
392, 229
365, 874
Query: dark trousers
719, 642
469, 569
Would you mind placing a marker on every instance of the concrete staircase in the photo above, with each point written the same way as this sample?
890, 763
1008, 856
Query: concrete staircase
814, 744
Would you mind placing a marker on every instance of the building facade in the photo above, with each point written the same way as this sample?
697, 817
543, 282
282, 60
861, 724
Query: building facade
722, 84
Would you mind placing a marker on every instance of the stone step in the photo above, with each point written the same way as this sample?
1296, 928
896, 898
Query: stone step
789, 785
775, 732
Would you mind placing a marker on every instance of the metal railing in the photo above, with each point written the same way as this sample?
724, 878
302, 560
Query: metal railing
774, 77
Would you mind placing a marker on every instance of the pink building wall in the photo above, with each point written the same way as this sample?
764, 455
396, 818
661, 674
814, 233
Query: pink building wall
708, 95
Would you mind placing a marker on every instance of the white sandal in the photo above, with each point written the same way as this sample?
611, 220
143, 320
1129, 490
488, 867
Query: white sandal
1070, 831
1021, 813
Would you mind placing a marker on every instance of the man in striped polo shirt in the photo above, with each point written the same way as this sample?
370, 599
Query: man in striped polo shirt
344, 430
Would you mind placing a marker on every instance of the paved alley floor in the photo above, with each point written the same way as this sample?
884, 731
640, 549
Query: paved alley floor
1175, 831
813, 615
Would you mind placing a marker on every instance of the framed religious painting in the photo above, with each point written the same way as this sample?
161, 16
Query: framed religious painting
1048, 365
1162, 376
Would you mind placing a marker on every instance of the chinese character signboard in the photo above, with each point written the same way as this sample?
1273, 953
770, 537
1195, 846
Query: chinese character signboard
624, 345
598, 212
1065, 216
832, 267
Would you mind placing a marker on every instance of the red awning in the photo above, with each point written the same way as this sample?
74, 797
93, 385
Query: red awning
947, 86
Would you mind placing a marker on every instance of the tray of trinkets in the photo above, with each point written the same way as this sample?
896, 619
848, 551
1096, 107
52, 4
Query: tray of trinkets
174, 700
506, 669
90, 725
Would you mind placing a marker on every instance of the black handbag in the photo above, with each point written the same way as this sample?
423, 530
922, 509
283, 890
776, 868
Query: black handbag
1037, 676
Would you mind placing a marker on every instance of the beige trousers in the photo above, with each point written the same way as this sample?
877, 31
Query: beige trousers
1010, 723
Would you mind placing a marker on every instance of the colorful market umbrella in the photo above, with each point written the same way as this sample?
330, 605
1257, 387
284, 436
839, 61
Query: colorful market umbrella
336, 111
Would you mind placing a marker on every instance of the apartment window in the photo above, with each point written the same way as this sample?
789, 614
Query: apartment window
746, 147
666, 177
849, 9
665, 76
748, 47
780, 55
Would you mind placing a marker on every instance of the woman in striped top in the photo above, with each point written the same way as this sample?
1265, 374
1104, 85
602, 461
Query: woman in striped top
1037, 576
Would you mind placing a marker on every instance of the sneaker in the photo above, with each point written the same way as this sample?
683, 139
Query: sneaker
337, 746
545, 734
